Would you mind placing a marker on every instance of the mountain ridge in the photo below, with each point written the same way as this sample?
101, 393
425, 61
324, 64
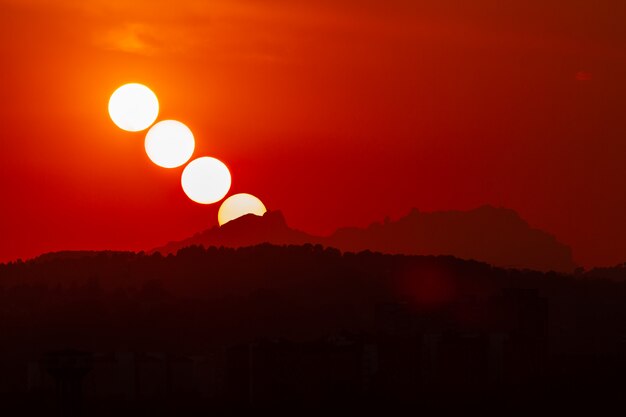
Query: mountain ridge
498, 236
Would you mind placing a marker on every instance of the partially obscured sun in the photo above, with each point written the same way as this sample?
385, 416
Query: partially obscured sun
133, 107
169, 144
206, 180
239, 205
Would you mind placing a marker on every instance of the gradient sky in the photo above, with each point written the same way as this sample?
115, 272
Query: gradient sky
337, 112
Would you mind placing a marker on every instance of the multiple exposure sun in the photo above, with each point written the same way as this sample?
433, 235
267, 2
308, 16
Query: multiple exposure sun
206, 180
133, 107
170, 144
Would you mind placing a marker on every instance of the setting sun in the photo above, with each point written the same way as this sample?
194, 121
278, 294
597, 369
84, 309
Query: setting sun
169, 144
133, 107
239, 205
206, 180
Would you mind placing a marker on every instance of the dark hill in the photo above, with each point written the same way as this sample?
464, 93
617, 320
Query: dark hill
214, 327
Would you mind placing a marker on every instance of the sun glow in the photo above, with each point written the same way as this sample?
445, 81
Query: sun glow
169, 144
133, 107
239, 205
206, 180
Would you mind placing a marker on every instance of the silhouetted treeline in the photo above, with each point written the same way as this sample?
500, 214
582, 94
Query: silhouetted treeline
241, 327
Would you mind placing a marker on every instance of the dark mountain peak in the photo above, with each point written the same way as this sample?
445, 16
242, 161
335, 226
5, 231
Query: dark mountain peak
485, 213
483, 219
503, 213
269, 219
247, 230
495, 235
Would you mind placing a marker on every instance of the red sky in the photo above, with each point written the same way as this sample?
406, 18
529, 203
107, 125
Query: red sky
335, 112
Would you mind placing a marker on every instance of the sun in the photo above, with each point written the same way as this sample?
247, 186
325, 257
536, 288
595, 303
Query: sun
133, 107
239, 205
206, 180
169, 144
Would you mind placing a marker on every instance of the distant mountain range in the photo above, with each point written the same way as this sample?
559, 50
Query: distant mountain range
497, 236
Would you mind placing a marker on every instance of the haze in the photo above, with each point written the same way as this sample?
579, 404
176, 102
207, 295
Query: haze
336, 112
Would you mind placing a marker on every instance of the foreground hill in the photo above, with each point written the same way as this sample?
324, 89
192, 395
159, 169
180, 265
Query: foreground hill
219, 329
494, 235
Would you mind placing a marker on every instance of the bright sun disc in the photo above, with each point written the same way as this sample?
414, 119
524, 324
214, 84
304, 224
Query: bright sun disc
239, 205
169, 144
133, 107
206, 180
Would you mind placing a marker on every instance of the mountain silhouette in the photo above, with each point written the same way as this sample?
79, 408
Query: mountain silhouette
247, 230
494, 235
497, 236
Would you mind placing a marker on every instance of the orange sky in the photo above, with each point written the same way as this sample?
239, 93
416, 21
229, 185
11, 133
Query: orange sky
335, 112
